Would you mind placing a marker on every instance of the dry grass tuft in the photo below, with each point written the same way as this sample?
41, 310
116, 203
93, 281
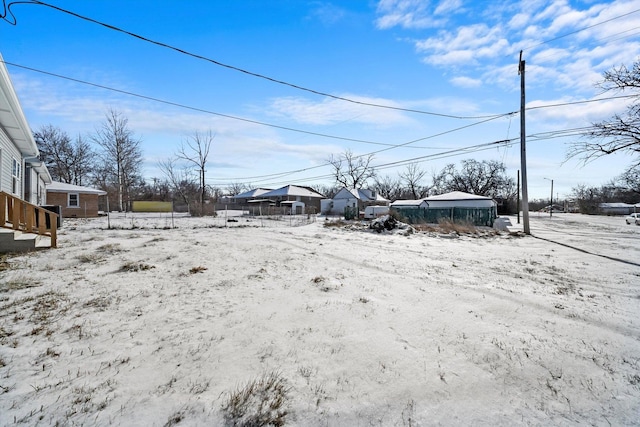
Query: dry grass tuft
89, 258
336, 223
261, 402
198, 269
22, 282
4, 263
448, 226
132, 266
110, 248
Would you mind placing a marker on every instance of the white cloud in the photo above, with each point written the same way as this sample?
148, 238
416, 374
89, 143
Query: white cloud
327, 13
333, 111
464, 46
447, 6
518, 21
466, 82
411, 14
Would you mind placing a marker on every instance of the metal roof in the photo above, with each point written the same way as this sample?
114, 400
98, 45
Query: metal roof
62, 187
293, 190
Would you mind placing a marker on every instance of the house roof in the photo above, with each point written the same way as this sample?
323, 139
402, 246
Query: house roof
62, 187
294, 190
252, 193
409, 203
12, 117
615, 205
40, 168
457, 195
360, 194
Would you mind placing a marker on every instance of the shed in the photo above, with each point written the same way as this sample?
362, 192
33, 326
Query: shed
75, 201
456, 206
410, 204
459, 199
295, 207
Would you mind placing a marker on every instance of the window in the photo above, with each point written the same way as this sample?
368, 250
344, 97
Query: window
74, 200
15, 177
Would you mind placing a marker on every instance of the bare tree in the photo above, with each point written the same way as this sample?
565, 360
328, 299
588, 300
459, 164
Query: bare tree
352, 171
630, 180
181, 181
68, 161
387, 187
411, 178
485, 178
326, 190
195, 151
620, 133
236, 188
121, 155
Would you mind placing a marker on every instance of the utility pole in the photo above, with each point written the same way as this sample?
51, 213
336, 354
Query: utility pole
523, 151
551, 198
518, 198
551, 210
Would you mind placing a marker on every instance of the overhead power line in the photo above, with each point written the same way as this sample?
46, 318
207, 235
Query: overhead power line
287, 173
420, 159
201, 110
582, 29
14, 21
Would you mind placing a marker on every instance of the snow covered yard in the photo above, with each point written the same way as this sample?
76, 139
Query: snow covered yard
153, 326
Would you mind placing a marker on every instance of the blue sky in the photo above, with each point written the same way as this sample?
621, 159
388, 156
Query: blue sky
451, 57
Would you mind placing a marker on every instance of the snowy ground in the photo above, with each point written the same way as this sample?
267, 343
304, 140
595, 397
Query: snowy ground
159, 326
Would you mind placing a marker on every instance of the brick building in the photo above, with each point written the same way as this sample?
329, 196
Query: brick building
75, 201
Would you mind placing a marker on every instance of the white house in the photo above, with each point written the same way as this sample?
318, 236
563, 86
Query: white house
357, 199
22, 174
23, 177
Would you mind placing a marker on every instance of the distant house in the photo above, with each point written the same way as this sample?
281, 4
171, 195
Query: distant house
293, 193
616, 208
357, 199
23, 178
287, 199
76, 201
243, 198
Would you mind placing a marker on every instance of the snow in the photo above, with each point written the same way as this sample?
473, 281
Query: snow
145, 324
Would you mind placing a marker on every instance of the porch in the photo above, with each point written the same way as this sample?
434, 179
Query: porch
25, 226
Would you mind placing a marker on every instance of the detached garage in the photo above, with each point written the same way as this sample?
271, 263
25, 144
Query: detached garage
75, 201
455, 206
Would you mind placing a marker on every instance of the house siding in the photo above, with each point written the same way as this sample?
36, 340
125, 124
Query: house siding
8, 152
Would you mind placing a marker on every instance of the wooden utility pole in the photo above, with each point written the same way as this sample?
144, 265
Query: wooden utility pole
523, 151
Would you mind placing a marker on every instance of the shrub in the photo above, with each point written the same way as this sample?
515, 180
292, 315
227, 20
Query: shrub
449, 226
261, 402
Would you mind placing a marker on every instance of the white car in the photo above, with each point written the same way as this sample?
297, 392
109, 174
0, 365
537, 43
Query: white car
633, 218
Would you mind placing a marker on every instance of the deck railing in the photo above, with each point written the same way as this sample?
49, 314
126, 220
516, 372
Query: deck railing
23, 216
